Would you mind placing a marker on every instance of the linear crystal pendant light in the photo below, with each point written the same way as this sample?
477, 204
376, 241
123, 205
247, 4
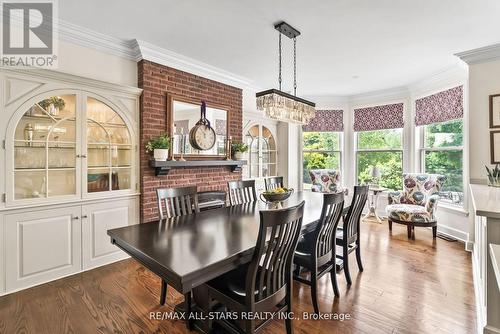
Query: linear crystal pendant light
280, 105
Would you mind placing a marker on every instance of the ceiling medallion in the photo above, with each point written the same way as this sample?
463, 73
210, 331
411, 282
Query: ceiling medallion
282, 106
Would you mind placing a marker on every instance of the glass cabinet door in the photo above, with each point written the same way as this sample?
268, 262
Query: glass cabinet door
45, 149
109, 149
262, 153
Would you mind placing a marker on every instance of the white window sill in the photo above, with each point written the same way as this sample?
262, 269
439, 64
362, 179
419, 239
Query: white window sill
453, 208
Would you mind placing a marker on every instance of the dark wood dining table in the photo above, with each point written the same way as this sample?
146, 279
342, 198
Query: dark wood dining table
190, 250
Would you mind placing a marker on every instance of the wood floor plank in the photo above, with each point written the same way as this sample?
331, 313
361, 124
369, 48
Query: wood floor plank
408, 286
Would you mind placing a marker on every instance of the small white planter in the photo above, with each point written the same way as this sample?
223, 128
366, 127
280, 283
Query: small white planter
160, 154
238, 155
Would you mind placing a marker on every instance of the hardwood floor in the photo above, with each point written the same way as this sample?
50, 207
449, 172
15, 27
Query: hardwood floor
408, 286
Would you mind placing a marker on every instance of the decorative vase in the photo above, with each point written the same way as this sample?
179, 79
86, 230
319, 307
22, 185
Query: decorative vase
494, 182
238, 155
29, 132
53, 110
160, 154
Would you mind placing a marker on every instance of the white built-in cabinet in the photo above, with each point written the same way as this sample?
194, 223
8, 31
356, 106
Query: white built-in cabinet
69, 173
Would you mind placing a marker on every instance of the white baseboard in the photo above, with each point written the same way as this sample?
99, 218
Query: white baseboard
453, 232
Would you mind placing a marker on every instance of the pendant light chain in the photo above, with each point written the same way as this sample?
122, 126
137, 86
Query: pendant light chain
277, 104
279, 52
295, 66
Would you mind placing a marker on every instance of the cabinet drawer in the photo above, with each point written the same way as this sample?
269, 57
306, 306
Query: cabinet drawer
42, 246
97, 220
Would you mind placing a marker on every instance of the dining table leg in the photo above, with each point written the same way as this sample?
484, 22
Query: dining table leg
187, 310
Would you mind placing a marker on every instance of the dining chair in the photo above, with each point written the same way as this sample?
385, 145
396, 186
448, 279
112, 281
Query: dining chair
178, 202
348, 235
316, 250
274, 182
265, 283
241, 192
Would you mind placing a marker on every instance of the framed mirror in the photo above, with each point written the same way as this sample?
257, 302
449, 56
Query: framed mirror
183, 114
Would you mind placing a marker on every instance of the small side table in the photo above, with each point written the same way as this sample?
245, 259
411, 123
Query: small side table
375, 192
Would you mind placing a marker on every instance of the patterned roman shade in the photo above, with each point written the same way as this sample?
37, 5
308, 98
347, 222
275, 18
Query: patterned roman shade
389, 116
326, 121
440, 107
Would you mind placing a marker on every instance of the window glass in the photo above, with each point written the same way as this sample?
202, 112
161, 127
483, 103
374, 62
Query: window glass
320, 150
380, 150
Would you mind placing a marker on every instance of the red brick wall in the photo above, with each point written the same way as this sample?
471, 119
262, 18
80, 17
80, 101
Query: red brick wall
156, 81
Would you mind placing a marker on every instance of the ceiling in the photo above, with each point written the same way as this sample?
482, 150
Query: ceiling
347, 47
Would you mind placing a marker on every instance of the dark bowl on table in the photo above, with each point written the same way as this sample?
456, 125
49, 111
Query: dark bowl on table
276, 197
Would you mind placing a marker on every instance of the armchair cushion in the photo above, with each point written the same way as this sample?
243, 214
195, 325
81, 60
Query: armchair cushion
418, 187
409, 213
325, 180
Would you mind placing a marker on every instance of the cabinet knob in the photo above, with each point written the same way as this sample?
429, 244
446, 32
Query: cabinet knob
84, 217
78, 156
84, 156
75, 218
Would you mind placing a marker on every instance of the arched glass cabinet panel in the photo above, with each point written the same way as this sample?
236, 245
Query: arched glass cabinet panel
45, 149
262, 153
109, 160
70, 145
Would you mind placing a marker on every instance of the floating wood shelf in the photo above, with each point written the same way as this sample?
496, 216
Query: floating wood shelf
163, 167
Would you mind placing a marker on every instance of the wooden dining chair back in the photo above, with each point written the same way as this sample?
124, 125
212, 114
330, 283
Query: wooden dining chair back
348, 237
353, 216
264, 285
316, 251
269, 271
241, 192
177, 202
174, 202
274, 182
324, 234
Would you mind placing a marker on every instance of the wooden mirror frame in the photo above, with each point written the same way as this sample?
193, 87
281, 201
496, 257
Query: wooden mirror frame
170, 125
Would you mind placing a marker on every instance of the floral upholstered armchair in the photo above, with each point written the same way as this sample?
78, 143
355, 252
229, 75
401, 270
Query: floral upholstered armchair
416, 204
325, 180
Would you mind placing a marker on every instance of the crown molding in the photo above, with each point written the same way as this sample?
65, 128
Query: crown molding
480, 55
151, 52
98, 41
137, 50
384, 96
442, 80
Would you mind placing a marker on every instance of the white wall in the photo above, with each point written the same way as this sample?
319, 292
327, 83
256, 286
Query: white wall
90, 63
484, 80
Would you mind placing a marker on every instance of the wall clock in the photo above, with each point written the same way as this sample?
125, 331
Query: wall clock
202, 135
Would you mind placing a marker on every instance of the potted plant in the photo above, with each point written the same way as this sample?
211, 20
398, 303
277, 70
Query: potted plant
159, 146
237, 149
493, 176
53, 105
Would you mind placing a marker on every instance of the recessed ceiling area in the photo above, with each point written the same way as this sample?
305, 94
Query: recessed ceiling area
346, 47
